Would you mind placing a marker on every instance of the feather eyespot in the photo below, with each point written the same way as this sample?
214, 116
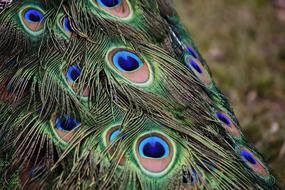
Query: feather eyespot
228, 124
192, 52
66, 123
198, 69
109, 3
224, 119
248, 157
196, 66
114, 135
154, 147
116, 8
111, 136
72, 75
127, 62
65, 126
253, 162
34, 16
130, 65
32, 19
66, 25
155, 153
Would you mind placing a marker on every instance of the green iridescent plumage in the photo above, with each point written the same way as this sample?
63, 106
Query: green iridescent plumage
102, 94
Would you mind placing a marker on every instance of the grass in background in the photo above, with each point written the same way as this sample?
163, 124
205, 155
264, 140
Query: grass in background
244, 44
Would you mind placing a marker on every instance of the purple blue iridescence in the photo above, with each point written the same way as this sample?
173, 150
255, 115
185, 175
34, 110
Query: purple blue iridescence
154, 147
196, 66
109, 3
73, 73
66, 25
248, 157
192, 52
127, 61
224, 119
66, 123
34, 16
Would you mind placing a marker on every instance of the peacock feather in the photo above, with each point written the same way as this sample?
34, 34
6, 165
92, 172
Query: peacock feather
114, 94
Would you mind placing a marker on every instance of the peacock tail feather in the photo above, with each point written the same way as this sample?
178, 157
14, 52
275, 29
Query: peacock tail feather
114, 94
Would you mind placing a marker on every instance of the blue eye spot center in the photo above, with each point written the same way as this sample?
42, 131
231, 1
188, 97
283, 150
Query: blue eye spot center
153, 150
66, 123
34, 16
192, 52
114, 135
154, 147
67, 26
223, 119
109, 3
127, 61
248, 157
195, 66
73, 73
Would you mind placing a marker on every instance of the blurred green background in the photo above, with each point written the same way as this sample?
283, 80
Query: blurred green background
243, 42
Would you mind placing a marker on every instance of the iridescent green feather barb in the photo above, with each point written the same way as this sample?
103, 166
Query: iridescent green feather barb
113, 94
